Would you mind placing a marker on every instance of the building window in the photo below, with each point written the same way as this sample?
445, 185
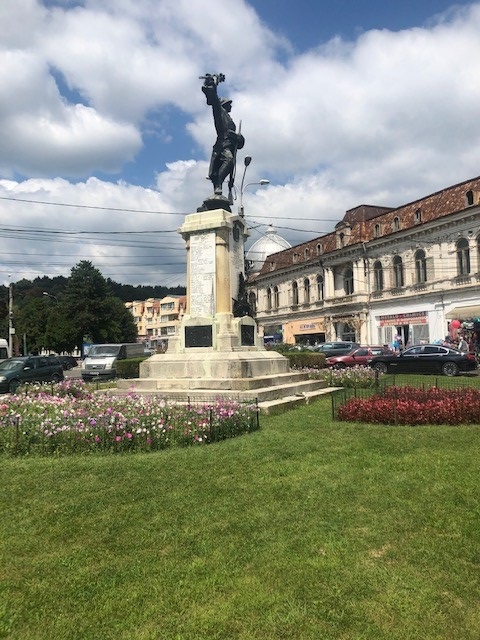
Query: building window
276, 297
348, 281
294, 292
319, 249
417, 217
397, 272
378, 276
269, 299
306, 290
469, 199
295, 257
420, 266
341, 240
252, 299
463, 257
307, 254
376, 231
320, 287
396, 224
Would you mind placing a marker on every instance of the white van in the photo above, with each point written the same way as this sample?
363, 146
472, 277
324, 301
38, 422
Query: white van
3, 349
101, 359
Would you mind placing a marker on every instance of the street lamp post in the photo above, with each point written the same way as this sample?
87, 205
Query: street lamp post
262, 183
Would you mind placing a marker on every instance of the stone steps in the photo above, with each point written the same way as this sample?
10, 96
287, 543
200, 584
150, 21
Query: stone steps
281, 393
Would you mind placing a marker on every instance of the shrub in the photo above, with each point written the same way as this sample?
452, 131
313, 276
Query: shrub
129, 368
412, 406
305, 359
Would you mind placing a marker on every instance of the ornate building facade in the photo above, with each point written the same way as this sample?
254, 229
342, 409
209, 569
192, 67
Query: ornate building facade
383, 271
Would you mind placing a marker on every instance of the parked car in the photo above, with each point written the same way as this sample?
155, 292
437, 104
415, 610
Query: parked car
68, 362
335, 348
356, 357
425, 358
16, 371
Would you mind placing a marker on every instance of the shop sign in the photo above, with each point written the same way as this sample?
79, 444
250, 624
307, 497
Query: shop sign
415, 317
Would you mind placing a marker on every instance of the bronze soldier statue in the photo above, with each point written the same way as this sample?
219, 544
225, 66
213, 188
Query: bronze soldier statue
223, 160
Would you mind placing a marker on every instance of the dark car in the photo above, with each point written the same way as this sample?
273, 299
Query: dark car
335, 348
426, 358
16, 371
356, 357
68, 362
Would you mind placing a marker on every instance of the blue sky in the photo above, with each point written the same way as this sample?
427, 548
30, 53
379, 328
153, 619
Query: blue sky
342, 102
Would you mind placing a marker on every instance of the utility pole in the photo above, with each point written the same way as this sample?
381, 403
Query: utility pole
11, 330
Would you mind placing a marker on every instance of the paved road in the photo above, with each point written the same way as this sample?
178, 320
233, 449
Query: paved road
76, 372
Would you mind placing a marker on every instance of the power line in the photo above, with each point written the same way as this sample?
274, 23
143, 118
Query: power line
91, 206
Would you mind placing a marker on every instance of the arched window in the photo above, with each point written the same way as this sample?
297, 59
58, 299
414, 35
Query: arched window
294, 292
319, 249
341, 240
469, 198
276, 297
396, 223
348, 281
463, 257
420, 266
376, 231
307, 254
417, 217
306, 290
269, 299
378, 276
320, 287
252, 299
397, 272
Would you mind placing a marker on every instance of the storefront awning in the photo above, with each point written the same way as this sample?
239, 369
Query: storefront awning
464, 313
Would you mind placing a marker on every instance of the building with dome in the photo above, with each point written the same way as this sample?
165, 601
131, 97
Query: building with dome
266, 246
270, 244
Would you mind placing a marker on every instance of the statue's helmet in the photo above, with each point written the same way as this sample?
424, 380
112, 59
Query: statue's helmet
224, 101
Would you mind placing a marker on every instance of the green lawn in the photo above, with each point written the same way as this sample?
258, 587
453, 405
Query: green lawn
307, 529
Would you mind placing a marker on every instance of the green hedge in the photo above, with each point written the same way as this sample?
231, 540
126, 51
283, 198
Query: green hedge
129, 368
301, 359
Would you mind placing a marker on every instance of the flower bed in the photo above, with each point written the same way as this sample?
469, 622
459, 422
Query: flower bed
71, 419
412, 406
358, 376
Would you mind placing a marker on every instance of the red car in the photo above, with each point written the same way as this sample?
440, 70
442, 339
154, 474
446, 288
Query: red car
360, 355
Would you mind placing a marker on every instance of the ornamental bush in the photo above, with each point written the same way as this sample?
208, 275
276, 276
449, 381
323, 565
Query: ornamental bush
73, 420
412, 406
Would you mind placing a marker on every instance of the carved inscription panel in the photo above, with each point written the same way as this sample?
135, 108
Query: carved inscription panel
202, 274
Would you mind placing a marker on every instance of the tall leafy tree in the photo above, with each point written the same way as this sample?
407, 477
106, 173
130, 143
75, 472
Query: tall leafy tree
31, 321
89, 311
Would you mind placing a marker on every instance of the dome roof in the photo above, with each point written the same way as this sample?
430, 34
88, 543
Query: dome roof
270, 243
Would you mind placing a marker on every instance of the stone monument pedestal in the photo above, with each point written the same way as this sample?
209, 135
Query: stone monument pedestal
214, 353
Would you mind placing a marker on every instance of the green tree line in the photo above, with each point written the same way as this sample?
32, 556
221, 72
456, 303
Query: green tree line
59, 314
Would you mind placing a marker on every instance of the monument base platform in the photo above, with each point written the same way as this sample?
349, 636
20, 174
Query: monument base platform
262, 377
